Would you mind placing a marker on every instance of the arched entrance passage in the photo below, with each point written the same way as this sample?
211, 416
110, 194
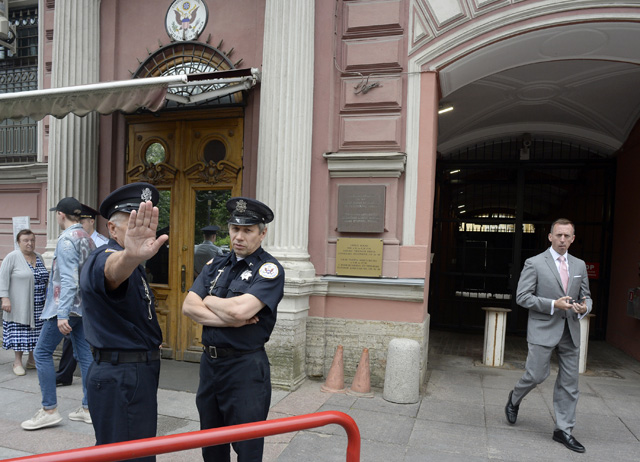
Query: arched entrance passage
554, 70
494, 203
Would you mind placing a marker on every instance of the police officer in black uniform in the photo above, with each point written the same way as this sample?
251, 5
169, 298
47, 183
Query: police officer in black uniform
121, 323
207, 249
236, 298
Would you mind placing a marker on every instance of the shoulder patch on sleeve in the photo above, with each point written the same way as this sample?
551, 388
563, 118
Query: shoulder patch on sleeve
269, 271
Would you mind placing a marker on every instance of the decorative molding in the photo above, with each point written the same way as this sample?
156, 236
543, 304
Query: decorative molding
372, 19
370, 131
155, 174
369, 55
487, 17
445, 14
365, 164
401, 289
213, 173
386, 94
419, 28
23, 174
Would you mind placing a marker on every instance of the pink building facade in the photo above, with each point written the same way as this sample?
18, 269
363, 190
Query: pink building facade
342, 137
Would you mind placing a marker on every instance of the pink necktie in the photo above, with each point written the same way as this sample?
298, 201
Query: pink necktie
564, 274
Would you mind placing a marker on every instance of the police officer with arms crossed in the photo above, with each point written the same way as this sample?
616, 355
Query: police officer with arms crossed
121, 322
235, 298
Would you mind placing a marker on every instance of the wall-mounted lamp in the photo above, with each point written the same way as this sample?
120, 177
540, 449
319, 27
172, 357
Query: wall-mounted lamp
444, 109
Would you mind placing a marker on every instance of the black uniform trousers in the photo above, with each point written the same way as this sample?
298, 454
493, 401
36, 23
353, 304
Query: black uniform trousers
67, 365
123, 399
234, 390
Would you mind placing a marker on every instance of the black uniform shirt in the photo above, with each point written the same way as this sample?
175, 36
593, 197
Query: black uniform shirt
260, 275
123, 319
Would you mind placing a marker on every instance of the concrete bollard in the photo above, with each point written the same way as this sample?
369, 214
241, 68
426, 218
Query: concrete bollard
495, 325
402, 375
584, 342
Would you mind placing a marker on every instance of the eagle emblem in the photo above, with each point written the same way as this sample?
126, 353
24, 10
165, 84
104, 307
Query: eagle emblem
187, 15
241, 206
146, 195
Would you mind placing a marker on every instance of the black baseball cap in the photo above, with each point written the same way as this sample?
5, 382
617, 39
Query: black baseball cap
68, 206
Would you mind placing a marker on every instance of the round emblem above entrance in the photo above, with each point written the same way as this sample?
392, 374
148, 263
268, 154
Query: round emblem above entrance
186, 19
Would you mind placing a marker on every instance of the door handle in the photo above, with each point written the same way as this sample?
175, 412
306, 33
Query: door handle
183, 276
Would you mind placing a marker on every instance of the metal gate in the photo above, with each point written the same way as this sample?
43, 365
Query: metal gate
493, 208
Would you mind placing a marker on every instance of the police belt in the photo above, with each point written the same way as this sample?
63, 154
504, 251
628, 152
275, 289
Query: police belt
125, 356
216, 352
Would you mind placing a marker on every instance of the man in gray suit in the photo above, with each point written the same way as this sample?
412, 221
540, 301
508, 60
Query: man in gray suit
554, 287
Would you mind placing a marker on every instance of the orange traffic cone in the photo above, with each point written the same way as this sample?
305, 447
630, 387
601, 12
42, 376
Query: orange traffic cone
335, 378
361, 385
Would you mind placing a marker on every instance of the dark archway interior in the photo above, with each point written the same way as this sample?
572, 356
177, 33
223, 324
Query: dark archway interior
494, 204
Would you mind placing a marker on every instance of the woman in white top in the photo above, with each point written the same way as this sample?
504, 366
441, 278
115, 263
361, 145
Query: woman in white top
23, 285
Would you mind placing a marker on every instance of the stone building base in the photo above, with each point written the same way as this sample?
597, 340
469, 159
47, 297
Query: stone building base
323, 335
286, 351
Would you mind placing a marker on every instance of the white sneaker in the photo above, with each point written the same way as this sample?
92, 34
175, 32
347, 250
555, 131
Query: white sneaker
82, 415
42, 419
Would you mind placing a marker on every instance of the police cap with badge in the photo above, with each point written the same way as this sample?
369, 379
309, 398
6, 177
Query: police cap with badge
245, 212
88, 212
210, 230
127, 198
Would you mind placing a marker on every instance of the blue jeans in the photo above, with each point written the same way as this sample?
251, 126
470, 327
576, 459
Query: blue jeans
48, 340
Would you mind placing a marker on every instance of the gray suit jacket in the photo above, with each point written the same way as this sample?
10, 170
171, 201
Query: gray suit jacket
539, 284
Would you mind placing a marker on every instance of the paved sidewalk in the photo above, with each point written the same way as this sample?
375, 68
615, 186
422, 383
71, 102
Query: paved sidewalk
460, 416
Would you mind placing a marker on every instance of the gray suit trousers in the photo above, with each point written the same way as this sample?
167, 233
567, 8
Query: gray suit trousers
565, 393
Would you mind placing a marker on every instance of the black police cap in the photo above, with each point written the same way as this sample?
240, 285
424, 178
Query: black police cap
245, 211
127, 198
88, 212
211, 229
68, 206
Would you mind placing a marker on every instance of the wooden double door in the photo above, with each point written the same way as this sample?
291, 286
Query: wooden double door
195, 161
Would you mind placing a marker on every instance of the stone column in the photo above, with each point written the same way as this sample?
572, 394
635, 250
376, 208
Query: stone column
73, 141
284, 171
584, 342
495, 326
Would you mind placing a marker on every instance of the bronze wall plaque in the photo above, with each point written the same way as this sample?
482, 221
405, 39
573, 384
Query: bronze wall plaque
359, 257
361, 208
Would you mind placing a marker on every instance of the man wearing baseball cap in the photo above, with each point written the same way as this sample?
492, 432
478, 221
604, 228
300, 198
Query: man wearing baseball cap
121, 322
67, 364
62, 315
236, 298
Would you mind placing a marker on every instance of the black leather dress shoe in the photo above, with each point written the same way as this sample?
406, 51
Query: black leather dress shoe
569, 441
511, 410
63, 384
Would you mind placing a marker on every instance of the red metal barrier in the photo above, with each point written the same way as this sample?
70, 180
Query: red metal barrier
180, 442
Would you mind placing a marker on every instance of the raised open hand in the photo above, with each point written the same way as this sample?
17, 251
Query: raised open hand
140, 240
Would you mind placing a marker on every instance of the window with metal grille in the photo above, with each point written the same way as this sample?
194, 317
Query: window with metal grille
19, 72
